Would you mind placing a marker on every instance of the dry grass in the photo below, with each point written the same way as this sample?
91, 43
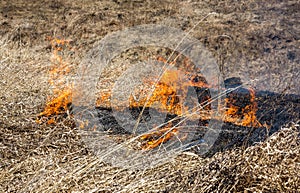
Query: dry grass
52, 158
59, 162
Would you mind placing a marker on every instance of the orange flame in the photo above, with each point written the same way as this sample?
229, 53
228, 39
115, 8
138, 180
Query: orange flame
165, 93
158, 137
248, 113
168, 91
62, 90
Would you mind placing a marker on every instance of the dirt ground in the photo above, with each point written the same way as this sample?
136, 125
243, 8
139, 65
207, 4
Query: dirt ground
248, 39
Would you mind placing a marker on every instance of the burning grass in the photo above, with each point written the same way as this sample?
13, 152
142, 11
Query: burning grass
61, 97
169, 90
51, 157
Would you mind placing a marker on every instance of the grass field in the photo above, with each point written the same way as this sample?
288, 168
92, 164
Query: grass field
248, 39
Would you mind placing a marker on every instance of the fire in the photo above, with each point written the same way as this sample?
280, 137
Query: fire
233, 114
164, 93
242, 116
59, 102
58, 105
156, 138
169, 91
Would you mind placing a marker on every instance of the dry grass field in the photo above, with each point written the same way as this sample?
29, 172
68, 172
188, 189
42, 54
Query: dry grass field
249, 39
